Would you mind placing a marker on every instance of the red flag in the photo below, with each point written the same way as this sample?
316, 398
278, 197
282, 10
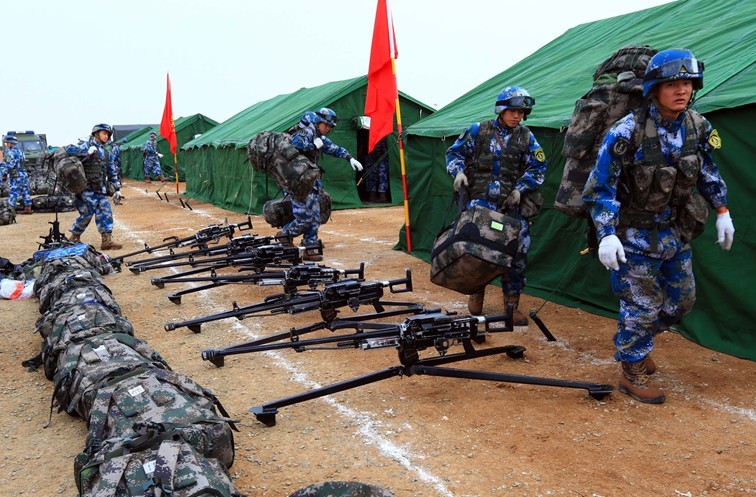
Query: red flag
381, 88
167, 127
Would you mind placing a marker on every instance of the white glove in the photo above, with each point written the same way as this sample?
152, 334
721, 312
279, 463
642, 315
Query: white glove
160, 155
355, 164
91, 150
513, 199
725, 230
610, 251
318, 142
459, 180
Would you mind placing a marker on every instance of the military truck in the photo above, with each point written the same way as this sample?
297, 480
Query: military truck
33, 145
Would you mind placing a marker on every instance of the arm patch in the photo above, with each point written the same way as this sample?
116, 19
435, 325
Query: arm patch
714, 140
621, 146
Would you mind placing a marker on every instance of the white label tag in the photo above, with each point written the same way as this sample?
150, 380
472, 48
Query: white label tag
149, 467
137, 390
102, 352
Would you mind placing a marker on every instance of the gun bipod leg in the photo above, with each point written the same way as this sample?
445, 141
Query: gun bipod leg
266, 413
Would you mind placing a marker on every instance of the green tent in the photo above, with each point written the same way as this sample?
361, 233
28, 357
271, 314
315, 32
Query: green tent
720, 32
218, 170
187, 128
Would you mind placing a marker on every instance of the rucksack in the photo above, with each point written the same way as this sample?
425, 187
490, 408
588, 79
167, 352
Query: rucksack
279, 212
165, 400
99, 261
617, 91
64, 283
293, 171
82, 321
87, 361
151, 464
53, 268
7, 213
53, 203
70, 172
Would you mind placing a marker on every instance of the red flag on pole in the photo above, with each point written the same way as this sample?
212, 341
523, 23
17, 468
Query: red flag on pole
381, 87
167, 127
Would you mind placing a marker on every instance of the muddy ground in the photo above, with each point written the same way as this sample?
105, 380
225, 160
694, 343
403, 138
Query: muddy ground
416, 435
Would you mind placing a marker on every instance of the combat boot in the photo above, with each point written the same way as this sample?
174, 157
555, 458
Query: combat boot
518, 318
76, 237
310, 257
147, 179
634, 382
475, 302
27, 209
108, 243
284, 239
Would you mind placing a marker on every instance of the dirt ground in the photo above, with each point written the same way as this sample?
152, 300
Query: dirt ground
418, 435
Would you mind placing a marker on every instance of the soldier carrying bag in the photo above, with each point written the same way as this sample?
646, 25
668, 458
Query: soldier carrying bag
476, 248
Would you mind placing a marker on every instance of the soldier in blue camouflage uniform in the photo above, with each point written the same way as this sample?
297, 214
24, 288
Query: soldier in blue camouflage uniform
641, 196
500, 161
13, 168
152, 160
115, 149
93, 201
377, 180
310, 138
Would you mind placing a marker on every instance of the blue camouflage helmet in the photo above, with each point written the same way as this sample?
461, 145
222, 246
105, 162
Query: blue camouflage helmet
10, 139
153, 134
671, 65
326, 115
514, 97
102, 127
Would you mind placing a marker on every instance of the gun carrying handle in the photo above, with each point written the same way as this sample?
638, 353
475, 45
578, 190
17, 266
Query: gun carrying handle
406, 282
499, 318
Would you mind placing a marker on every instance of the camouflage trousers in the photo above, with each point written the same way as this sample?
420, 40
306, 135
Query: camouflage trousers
514, 281
306, 217
91, 204
19, 188
152, 167
378, 179
655, 289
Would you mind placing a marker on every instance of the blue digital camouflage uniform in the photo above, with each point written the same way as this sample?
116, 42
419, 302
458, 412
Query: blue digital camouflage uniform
115, 150
91, 203
378, 179
19, 179
151, 159
307, 212
463, 149
656, 287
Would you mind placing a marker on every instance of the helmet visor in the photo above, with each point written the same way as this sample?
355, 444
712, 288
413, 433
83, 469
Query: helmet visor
673, 68
517, 102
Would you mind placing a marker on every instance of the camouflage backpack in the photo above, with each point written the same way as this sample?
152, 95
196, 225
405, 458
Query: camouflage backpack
52, 268
91, 257
65, 283
293, 171
54, 203
83, 321
151, 465
279, 213
7, 213
165, 400
342, 489
617, 91
70, 172
87, 362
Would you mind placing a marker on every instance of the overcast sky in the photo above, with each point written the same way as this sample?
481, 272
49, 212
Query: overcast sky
70, 64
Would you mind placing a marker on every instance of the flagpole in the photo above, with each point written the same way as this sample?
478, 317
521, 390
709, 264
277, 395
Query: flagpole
175, 169
407, 229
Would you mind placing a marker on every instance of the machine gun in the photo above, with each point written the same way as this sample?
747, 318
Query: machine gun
350, 293
248, 258
296, 276
439, 331
211, 234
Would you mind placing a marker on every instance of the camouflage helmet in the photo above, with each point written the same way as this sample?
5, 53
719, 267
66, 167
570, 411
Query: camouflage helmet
671, 65
102, 127
10, 139
326, 115
152, 133
514, 97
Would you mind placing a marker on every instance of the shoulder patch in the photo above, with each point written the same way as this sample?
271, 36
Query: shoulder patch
621, 146
539, 155
714, 140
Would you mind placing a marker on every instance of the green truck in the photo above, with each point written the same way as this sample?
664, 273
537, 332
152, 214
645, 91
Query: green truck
33, 145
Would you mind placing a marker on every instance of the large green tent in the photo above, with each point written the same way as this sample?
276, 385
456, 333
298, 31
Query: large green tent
720, 32
187, 128
218, 170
